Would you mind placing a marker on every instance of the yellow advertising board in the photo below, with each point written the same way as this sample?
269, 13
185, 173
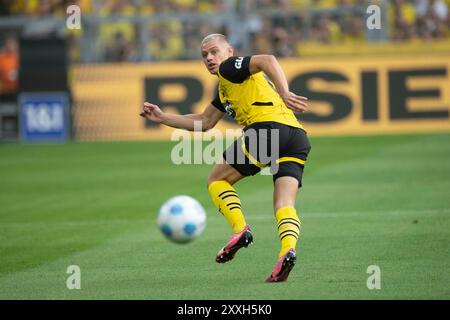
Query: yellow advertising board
346, 95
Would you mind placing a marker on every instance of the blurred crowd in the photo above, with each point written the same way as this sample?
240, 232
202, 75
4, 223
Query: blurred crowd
9, 67
424, 19
279, 27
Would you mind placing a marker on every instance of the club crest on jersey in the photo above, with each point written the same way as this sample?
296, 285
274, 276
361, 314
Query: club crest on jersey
229, 110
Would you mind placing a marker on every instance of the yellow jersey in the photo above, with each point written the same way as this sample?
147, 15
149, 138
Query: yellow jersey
250, 98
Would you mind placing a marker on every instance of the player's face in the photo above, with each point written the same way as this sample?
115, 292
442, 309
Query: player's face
214, 52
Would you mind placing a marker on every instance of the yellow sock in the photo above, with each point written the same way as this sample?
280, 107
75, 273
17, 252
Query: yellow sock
227, 201
288, 225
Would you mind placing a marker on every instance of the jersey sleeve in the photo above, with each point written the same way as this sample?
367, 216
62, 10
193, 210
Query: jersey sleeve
216, 103
235, 69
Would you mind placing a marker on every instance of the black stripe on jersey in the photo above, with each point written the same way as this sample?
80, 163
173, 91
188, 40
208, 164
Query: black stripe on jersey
235, 208
258, 103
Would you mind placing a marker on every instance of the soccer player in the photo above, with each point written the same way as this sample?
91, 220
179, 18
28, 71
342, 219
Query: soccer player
253, 90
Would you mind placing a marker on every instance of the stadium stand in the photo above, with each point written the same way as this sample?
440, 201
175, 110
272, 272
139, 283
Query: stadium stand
156, 30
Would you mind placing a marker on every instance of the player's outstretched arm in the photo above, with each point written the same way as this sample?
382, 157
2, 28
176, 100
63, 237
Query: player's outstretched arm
207, 120
270, 66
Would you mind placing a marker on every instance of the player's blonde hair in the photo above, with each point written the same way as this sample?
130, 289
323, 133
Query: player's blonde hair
213, 36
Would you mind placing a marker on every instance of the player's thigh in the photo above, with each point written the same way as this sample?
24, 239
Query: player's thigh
294, 150
224, 171
236, 162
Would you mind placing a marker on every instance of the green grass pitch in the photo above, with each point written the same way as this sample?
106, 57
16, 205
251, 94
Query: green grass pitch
381, 200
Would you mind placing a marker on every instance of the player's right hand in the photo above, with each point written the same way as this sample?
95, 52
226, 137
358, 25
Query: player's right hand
294, 102
152, 112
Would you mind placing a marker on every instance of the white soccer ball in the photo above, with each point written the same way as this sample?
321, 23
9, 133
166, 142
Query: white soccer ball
181, 219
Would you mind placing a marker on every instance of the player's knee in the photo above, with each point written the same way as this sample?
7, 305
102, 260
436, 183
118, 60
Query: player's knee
213, 177
209, 181
286, 189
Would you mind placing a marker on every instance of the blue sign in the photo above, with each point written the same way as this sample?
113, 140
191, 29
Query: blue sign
44, 117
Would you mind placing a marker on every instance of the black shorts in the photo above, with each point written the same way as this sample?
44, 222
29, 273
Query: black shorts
282, 147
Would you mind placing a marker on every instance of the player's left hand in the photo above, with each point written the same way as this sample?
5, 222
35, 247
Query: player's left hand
294, 102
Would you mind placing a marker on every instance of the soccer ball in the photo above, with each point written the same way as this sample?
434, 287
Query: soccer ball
181, 219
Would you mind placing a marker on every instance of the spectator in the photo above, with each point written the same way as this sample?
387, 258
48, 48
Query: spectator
326, 30
283, 46
166, 42
279, 27
261, 38
432, 18
402, 17
117, 37
119, 49
321, 31
9, 66
353, 29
